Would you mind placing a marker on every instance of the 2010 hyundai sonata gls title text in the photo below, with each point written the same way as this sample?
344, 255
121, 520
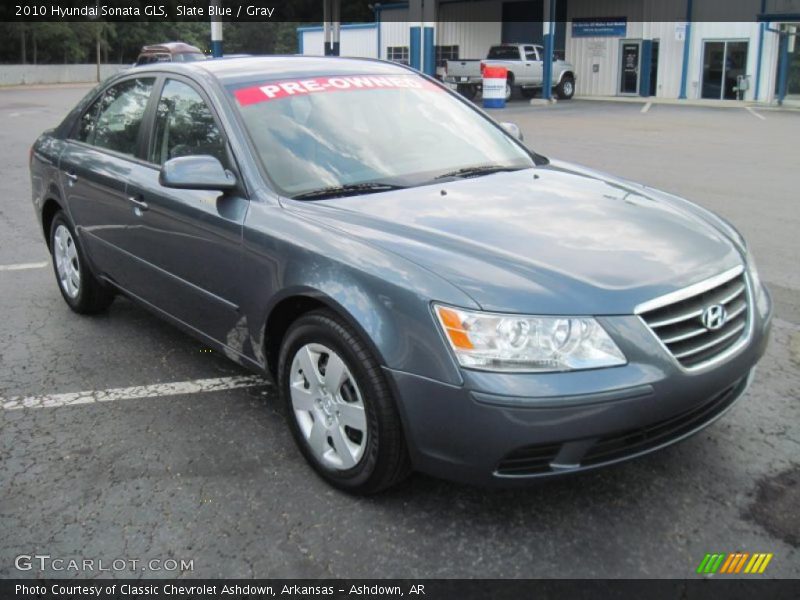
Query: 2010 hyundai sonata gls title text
427, 292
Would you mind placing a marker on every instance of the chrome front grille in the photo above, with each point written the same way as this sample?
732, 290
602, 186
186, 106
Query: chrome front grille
678, 319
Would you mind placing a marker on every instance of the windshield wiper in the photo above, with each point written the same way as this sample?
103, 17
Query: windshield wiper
477, 171
352, 189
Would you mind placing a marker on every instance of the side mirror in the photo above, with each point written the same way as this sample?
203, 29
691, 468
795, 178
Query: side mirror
200, 172
513, 129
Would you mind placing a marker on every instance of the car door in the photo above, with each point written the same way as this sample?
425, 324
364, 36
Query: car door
190, 241
97, 160
533, 65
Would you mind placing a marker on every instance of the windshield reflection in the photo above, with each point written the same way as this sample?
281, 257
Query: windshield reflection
313, 141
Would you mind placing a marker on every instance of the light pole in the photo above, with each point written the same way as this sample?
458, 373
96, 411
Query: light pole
216, 31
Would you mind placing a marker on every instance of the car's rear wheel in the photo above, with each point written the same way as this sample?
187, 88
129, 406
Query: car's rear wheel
340, 408
566, 87
81, 290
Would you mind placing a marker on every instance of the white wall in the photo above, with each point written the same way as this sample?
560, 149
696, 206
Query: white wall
362, 43
40, 74
394, 29
313, 43
605, 52
473, 27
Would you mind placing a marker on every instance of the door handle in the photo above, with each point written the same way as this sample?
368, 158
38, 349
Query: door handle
71, 176
139, 205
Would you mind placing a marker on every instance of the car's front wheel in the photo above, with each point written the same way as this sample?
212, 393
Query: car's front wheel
467, 90
80, 288
340, 407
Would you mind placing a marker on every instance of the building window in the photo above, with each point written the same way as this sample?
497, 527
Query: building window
445, 53
397, 54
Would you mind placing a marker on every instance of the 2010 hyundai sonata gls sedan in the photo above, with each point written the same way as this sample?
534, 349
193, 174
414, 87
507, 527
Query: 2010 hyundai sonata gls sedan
426, 291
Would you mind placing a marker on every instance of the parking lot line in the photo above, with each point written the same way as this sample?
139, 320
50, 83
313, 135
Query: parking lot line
157, 390
646, 107
24, 266
755, 114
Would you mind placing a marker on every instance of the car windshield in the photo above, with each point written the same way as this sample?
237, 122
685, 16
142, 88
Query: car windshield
395, 131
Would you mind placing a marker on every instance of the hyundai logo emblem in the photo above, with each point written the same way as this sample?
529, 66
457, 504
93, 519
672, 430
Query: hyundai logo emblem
714, 317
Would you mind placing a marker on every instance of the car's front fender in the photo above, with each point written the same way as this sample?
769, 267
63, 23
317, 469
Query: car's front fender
385, 297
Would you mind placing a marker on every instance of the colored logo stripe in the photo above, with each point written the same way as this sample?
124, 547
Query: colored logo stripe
316, 85
734, 563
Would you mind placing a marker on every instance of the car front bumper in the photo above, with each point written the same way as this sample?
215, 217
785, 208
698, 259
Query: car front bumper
511, 428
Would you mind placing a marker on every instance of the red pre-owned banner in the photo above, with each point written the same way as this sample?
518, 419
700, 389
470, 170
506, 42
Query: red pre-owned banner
275, 90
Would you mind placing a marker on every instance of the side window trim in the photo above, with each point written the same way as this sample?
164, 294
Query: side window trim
148, 122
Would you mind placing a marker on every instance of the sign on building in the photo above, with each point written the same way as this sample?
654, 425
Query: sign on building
600, 27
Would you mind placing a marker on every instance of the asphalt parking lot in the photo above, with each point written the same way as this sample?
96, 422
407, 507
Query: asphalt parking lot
208, 472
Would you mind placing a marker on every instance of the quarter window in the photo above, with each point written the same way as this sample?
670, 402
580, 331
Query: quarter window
121, 112
88, 120
184, 126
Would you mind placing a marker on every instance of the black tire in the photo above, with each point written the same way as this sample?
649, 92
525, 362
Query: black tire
565, 89
467, 90
92, 296
385, 461
528, 92
509, 87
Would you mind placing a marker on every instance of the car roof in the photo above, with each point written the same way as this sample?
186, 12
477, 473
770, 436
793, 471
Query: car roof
170, 47
247, 69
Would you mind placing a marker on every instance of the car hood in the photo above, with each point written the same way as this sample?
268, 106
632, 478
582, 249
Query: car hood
557, 239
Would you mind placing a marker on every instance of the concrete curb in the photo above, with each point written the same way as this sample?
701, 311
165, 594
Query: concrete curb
696, 103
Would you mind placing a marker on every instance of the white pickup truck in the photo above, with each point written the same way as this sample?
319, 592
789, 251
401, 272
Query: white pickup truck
525, 71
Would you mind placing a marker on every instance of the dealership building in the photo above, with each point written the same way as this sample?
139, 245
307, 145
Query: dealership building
663, 48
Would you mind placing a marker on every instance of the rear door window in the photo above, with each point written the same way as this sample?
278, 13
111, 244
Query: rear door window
504, 53
120, 116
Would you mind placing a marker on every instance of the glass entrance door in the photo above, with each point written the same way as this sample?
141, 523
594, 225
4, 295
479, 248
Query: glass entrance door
631, 53
654, 68
793, 83
723, 63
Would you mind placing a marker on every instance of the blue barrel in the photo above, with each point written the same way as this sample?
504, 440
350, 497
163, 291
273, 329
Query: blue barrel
494, 86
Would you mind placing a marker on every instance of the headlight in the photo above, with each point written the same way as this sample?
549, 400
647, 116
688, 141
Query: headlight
498, 342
